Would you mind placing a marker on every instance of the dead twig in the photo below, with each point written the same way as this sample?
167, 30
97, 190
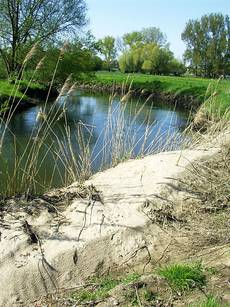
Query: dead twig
30, 232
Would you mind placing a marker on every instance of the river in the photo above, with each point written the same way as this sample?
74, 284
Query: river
80, 128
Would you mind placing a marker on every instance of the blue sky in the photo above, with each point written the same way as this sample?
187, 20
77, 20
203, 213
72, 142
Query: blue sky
116, 17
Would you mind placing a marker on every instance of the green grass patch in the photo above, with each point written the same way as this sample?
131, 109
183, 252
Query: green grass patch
183, 277
11, 92
101, 287
23, 84
130, 278
210, 302
99, 292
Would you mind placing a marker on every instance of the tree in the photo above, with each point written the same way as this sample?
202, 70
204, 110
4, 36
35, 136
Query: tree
154, 35
208, 45
133, 39
148, 51
24, 22
150, 55
164, 61
126, 62
131, 60
177, 68
107, 47
79, 58
150, 58
151, 35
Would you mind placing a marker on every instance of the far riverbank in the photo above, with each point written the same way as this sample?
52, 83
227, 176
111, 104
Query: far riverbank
185, 92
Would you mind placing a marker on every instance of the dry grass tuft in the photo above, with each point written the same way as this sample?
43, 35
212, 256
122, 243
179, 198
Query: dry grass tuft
209, 181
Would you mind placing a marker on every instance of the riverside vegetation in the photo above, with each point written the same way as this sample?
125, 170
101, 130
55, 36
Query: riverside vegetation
119, 140
128, 130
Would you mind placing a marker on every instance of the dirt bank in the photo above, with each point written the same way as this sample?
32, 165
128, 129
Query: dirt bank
188, 102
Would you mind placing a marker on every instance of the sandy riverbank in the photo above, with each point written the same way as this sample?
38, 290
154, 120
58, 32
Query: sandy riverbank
61, 239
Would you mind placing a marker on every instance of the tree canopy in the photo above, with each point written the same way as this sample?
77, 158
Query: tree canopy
208, 45
151, 35
78, 58
24, 22
107, 47
148, 51
150, 58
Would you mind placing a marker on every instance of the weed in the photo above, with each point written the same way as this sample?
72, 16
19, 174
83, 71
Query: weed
209, 181
101, 287
182, 277
131, 297
212, 271
211, 301
131, 278
149, 296
99, 292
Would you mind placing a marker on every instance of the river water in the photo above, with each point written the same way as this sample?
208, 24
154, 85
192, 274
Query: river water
56, 142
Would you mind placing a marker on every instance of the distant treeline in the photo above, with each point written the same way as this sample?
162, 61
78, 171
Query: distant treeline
32, 36
207, 49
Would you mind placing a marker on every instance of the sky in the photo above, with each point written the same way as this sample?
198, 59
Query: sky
116, 17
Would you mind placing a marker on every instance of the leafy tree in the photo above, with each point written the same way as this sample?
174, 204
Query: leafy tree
147, 51
208, 45
107, 47
24, 22
177, 68
133, 39
131, 60
151, 35
150, 55
154, 35
76, 60
147, 66
165, 58
150, 58
126, 62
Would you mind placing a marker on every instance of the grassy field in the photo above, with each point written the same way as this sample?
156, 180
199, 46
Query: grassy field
199, 88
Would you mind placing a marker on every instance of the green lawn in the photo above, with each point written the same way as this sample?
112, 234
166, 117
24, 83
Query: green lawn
199, 88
